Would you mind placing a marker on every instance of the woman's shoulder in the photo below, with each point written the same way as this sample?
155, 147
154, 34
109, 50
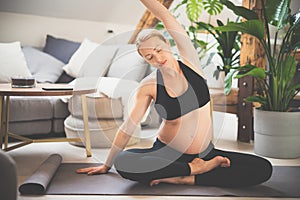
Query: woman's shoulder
148, 84
196, 69
150, 79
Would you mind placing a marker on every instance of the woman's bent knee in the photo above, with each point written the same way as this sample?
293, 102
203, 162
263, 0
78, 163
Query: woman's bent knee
262, 172
122, 166
126, 164
266, 171
122, 161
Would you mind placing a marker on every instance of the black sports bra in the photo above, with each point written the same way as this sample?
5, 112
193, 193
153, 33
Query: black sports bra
196, 95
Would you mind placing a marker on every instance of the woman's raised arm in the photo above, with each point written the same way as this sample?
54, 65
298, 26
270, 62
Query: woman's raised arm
184, 44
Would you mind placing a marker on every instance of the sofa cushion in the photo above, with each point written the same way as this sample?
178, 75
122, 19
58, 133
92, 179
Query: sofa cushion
62, 49
128, 64
116, 88
98, 62
60, 108
58, 126
99, 107
43, 66
31, 127
23, 108
75, 63
12, 62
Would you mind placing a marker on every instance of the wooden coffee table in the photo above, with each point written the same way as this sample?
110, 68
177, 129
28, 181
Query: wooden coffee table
6, 91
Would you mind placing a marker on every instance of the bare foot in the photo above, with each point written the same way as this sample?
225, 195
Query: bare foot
182, 180
200, 166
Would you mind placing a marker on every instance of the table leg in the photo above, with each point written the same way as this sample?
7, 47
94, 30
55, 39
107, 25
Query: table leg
1, 120
7, 101
86, 126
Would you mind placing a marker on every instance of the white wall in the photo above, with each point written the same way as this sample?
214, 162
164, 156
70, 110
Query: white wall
113, 11
32, 29
30, 20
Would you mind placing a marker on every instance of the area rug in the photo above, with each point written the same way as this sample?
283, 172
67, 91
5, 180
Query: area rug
56, 178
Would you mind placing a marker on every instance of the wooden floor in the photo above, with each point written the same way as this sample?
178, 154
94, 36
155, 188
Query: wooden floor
28, 158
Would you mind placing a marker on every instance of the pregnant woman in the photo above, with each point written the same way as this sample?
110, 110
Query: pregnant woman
183, 152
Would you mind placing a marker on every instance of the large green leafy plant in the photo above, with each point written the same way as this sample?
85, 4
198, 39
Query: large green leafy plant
228, 48
193, 9
276, 86
228, 43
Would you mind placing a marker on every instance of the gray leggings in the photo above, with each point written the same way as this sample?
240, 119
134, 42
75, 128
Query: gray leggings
161, 161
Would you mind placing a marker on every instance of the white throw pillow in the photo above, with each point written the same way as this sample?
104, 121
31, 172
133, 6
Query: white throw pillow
128, 64
79, 57
121, 88
12, 62
98, 62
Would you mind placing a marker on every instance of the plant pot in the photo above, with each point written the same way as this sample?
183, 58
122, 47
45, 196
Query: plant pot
277, 134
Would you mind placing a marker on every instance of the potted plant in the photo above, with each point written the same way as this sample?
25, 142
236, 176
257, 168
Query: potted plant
228, 50
193, 10
276, 127
227, 44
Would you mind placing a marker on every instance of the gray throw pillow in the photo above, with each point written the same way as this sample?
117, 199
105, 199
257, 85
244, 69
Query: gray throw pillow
65, 78
62, 49
44, 67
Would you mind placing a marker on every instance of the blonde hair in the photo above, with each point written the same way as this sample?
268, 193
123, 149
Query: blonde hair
146, 34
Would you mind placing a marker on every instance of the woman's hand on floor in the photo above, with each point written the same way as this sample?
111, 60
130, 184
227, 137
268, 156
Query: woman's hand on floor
103, 169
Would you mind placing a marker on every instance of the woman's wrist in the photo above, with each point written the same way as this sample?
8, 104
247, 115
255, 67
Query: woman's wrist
106, 167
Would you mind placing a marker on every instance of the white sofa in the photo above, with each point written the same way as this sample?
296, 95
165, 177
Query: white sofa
118, 68
107, 109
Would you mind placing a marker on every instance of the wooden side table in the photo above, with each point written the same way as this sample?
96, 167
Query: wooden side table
6, 91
